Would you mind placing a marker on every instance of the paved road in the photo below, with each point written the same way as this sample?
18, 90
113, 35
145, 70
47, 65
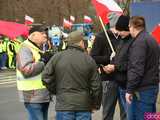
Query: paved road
12, 109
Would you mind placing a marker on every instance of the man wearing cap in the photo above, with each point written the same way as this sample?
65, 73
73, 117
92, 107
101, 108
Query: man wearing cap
77, 84
29, 68
101, 53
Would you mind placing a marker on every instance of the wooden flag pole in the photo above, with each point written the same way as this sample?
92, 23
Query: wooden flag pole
108, 39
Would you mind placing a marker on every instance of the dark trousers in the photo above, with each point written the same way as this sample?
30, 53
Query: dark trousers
109, 100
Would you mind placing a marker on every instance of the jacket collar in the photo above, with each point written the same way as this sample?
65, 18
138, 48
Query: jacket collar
75, 47
140, 33
34, 44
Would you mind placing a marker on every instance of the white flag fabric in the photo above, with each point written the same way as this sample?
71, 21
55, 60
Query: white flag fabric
72, 18
103, 7
66, 23
87, 19
111, 5
28, 20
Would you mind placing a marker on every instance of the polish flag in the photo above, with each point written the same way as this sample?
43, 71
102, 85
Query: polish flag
66, 23
87, 19
103, 7
156, 33
28, 20
72, 18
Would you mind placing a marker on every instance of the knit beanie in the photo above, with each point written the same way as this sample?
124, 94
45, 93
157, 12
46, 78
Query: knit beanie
122, 23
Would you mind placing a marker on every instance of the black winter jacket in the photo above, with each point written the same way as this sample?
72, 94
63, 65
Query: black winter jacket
101, 51
121, 61
143, 63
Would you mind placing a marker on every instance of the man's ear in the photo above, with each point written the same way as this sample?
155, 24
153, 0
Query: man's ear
82, 44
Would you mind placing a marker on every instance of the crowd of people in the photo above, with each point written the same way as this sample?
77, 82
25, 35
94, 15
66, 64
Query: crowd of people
8, 49
84, 80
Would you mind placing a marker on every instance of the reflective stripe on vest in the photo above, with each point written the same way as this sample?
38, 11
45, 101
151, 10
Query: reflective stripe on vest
32, 83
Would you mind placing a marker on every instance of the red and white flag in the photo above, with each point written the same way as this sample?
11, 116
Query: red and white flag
103, 7
156, 33
72, 18
66, 23
87, 19
28, 20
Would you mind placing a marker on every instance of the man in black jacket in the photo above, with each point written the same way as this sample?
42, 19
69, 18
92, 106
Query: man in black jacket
101, 53
118, 66
142, 85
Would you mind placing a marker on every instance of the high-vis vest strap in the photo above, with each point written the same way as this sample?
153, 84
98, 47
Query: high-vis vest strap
32, 83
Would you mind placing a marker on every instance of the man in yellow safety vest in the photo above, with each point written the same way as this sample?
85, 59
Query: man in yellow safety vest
29, 66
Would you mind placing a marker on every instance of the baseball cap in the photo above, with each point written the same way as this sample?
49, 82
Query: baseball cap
40, 28
75, 37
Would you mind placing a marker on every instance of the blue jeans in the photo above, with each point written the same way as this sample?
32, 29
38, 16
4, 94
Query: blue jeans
73, 115
129, 111
4, 60
37, 111
143, 101
122, 93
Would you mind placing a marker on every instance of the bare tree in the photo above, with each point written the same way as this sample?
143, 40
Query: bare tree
47, 11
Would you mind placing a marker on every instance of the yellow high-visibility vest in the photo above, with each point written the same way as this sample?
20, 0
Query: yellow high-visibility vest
5, 46
17, 46
9, 52
31, 83
1, 47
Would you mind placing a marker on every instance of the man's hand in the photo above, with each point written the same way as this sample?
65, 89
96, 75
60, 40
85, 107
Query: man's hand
109, 68
129, 98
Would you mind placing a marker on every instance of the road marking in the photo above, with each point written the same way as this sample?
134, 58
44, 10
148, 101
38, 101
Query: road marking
7, 79
9, 82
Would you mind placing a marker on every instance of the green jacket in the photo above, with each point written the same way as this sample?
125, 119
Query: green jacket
75, 75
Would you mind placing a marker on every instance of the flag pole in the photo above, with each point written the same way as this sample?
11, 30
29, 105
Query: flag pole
108, 39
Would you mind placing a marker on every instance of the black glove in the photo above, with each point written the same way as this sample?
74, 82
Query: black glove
101, 69
45, 57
